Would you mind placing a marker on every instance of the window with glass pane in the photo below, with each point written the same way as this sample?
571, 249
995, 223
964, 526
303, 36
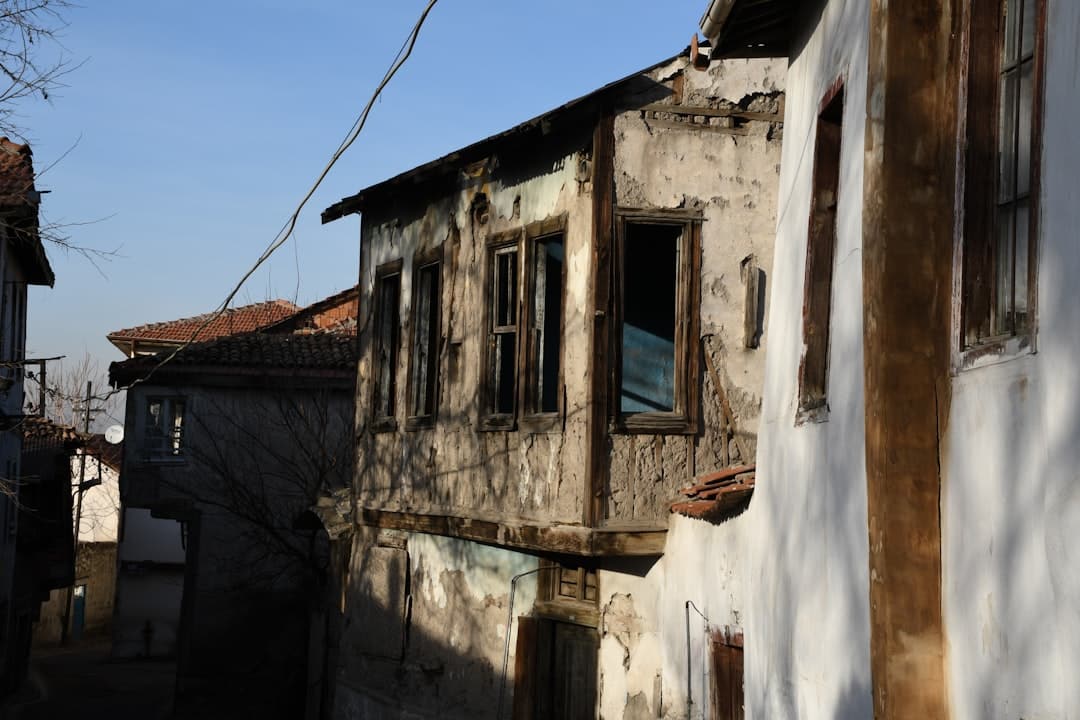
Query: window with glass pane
387, 329
545, 323
1002, 169
503, 310
163, 432
657, 331
423, 377
650, 271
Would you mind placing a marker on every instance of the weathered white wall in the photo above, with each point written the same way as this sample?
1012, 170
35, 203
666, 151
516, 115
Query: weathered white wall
149, 585
643, 631
454, 638
807, 619
1011, 496
101, 504
147, 538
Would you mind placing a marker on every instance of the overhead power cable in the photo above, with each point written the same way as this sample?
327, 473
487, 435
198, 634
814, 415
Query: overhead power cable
290, 225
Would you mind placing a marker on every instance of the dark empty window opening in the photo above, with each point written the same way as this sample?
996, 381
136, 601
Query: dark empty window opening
820, 249
545, 324
387, 331
503, 298
423, 360
656, 308
650, 266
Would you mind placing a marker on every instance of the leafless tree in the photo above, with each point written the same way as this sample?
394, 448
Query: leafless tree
256, 462
263, 464
32, 61
65, 394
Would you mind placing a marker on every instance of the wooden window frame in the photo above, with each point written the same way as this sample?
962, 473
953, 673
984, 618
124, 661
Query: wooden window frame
170, 401
820, 267
683, 419
385, 422
422, 261
493, 421
532, 419
975, 341
552, 605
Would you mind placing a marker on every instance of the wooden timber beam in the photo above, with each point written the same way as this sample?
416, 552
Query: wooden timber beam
530, 536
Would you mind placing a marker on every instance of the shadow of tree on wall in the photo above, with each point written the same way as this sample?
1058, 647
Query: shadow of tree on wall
255, 462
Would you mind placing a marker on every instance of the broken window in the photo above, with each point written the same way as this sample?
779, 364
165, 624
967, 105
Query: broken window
1001, 170
820, 248
424, 358
726, 660
544, 305
657, 261
387, 329
163, 432
500, 391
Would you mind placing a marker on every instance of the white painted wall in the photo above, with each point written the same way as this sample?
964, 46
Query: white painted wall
149, 586
1011, 497
101, 504
643, 645
807, 621
457, 632
150, 539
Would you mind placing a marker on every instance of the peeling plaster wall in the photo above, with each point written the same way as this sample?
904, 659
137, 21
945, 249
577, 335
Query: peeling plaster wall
807, 626
643, 632
1011, 493
442, 655
453, 467
729, 174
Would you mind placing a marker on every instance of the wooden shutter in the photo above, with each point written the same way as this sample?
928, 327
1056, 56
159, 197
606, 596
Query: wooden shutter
727, 679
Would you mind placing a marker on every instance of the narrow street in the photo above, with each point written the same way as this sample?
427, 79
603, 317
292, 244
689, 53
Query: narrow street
84, 682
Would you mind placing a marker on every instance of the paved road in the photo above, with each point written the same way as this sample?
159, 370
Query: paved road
83, 683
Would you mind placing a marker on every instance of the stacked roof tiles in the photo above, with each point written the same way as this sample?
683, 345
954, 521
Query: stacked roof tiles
718, 496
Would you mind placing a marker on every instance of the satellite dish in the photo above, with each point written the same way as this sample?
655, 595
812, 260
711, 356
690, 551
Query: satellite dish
114, 434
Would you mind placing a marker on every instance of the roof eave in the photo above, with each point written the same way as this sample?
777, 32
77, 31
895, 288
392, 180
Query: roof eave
749, 28
354, 204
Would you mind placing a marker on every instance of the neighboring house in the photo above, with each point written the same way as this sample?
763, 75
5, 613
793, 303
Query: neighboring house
915, 531
232, 441
561, 330
22, 263
150, 568
95, 466
171, 334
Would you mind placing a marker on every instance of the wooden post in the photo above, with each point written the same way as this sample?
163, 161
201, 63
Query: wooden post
908, 220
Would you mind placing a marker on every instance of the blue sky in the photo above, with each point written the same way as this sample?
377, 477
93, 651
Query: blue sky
198, 126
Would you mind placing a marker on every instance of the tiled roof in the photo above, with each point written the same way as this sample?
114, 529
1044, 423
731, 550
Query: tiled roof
250, 352
19, 201
230, 322
718, 496
109, 453
16, 175
42, 434
335, 314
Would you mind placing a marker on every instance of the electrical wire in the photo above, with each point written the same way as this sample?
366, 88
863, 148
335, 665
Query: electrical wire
289, 227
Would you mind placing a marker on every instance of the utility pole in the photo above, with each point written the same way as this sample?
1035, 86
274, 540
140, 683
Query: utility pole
64, 628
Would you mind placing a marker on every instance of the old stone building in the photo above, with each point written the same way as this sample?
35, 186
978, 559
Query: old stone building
561, 329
